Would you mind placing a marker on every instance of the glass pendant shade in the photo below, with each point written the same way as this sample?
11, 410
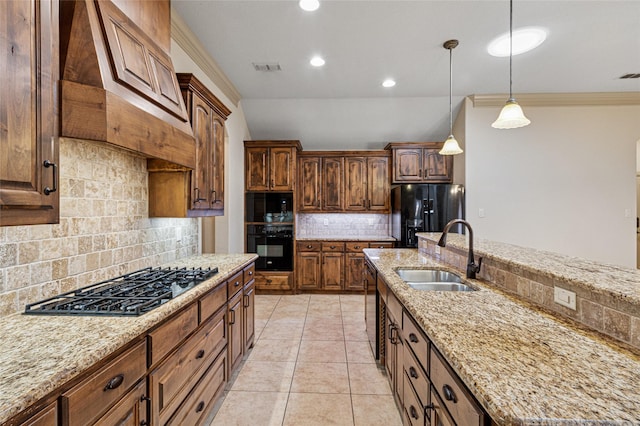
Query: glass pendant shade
450, 147
511, 117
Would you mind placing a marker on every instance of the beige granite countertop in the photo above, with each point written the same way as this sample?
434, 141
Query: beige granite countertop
40, 353
525, 367
344, 238
592, 276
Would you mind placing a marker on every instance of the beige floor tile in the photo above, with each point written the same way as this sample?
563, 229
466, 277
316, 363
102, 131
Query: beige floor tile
320, 316
312, 377
368, 379
316, 331
282, 330
359, 352
355, 332
252, 409
276, 350
264, 376
322, 351
375, 410
309, 409
353, 316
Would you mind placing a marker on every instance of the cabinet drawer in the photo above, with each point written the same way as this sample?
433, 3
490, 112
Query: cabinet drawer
455, 397
212, 301
273, 282
84, 403
172, 381
197, 406
48, 416
249, 273
382, 244
413, 410
234, 284
415, 372
166, 337
333, 247
355, 247
309, 246
415, 339
130, 410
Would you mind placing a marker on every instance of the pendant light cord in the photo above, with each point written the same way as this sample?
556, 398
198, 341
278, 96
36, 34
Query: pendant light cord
510, 49
450, 90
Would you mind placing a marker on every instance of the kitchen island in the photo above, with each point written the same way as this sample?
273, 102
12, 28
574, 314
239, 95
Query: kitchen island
523, 364
42, 355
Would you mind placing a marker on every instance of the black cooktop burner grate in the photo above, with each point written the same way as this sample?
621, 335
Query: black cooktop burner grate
130, 294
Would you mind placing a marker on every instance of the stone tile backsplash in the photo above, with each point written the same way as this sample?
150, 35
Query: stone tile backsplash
342, 224
104, 229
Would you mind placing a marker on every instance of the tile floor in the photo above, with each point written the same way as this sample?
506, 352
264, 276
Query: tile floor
311, 365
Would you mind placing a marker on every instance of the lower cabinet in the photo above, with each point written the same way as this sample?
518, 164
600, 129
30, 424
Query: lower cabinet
277, 281
234, 331
332, 265
131, 410
426, 388
248, 314
48, 416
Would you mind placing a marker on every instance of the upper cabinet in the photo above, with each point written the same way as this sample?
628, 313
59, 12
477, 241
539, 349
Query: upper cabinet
343, 181
175, 191
270, 165
28, 119
420, 163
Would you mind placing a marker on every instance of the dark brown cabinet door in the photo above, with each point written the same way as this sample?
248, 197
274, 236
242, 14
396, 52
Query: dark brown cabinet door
216, 185
257, 169
354, 271
332, 177
130, 410
234, 332
378, 185
248, 314
355, 188
28, 113
308, 270
282, 169
407, 164
332, 271
201, 123
437, 168
309, 181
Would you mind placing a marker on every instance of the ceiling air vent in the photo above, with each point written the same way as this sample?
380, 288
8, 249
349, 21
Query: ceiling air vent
267, 67
630, 75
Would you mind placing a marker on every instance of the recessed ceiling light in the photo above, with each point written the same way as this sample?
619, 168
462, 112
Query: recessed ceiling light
317, 61
388, 83
524, 40
309, 5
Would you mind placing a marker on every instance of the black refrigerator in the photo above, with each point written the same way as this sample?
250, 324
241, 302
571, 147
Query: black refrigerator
424, 208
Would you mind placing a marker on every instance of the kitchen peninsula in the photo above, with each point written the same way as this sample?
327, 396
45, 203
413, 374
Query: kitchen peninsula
522, 363
49, 362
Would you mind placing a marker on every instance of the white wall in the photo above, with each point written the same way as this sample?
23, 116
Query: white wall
229, 229
565, 183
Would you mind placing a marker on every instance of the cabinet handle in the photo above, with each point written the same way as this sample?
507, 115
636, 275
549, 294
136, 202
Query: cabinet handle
250, 273
143, 423
413, 373
115, 382
332, 247
144, 398
269, 281
246, 300
413, 338
197, 197
419, 172
309, 246
449, 394
200, 354
357, 247
46, 189
233, 317
200, 406
414, 412
214, 198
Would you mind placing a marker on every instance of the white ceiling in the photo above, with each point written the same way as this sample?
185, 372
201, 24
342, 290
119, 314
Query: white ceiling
343, 105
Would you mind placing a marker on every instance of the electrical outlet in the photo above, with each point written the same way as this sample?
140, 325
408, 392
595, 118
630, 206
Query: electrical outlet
326, 222
437, 249
370, 222
481, 212
564, 297
178, 234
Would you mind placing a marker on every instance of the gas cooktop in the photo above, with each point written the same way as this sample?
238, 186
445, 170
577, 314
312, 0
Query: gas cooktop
131, 294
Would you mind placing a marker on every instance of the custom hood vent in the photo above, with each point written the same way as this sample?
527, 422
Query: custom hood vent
118, 82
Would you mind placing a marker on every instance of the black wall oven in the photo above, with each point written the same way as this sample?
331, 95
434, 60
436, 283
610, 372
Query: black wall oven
269, 231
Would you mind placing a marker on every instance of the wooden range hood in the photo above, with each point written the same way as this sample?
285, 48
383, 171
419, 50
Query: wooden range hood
118, 83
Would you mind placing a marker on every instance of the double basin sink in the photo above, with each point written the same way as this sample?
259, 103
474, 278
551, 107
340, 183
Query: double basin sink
432, 280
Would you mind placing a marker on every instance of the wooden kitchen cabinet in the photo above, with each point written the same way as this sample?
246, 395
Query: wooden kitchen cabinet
48, 416
248, 308
332, 266
131, 410
29, 159
309, 265
274, 282
270, 165
393, 343
235, 344
367, 185
354, 266
332, 192
309, 182
320, 183
420, 163
175, 191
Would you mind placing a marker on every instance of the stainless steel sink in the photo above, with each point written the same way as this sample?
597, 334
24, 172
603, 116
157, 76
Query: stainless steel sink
432, 280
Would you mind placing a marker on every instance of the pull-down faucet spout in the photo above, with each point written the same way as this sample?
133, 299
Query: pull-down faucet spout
472, 268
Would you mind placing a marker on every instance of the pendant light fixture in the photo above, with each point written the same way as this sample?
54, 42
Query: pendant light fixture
511, 116
450, 146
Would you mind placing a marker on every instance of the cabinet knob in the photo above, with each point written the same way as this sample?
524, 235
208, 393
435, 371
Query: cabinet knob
413, 338
114, 382
413, 373
309, 246
200, 354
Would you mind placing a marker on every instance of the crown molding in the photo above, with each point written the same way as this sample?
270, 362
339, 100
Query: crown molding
560, 99
187, 40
